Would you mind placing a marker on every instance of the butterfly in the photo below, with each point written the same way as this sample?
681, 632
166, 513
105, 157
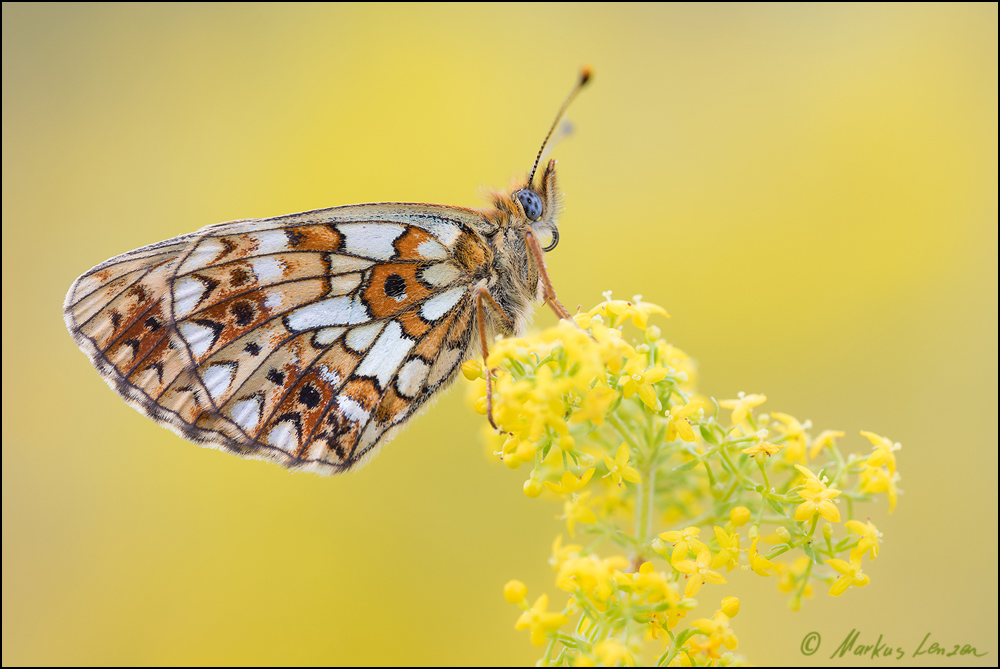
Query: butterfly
310, 339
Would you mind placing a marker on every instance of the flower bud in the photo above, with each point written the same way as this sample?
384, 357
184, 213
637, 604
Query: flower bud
472, 369
730, 607
532, 488
515, 591
739, 516
567, 443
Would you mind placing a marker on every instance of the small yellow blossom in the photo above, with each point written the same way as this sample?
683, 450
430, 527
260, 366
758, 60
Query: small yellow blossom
591, 575
638, 380
684, 541
763, 448
655, 627
515, 591
826, 439
652, 584
569, 482
878, 479
575, 510
595, 404
729, 549
869, 539
850, 575
618, 311
679, 425
817, 499
618, 468
742, 405
883, 453
716, 633
759, 565
540, 621
795, 436
699, 571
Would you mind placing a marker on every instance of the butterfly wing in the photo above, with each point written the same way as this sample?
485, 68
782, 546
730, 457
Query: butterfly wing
304, 339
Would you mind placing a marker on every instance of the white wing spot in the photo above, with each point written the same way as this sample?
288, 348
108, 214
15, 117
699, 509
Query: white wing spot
218, 378
439, 305
343, 284
198, 337
270, 241
432, 250
443, 230
284, 436
345, 310
246, 413
275, 298
188, 292
440, 274
371, 240
361, 337
411, 377
206, 251
351, 410
386, 355
329, 375
267, 269
340, 264
328, 335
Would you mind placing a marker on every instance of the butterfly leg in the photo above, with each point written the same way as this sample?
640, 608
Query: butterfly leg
548, 292
483, 295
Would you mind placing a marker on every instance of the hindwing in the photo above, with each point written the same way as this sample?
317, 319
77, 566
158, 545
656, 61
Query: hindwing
303, 339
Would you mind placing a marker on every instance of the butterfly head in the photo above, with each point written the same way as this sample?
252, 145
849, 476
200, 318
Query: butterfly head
539, 204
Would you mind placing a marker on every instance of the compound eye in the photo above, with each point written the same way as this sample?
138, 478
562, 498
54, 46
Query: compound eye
531, 203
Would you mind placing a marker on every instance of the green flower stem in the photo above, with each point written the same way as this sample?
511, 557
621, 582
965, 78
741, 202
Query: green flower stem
568, 640
623, 432
645, 500
763, 472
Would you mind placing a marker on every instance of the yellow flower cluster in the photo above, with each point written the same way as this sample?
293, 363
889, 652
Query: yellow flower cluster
672, 483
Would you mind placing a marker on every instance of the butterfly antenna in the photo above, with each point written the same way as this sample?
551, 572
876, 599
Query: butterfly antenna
585, 75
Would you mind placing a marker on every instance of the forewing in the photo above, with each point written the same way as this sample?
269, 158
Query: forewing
303, 339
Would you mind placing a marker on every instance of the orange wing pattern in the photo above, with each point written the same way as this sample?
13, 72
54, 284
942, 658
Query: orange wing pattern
304, 339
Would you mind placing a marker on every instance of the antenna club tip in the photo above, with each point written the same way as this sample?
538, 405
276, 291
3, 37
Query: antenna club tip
586, 72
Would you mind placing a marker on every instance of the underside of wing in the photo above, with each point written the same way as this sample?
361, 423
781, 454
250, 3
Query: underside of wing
303, 340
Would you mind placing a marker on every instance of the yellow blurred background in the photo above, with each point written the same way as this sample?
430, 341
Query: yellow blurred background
811, 191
